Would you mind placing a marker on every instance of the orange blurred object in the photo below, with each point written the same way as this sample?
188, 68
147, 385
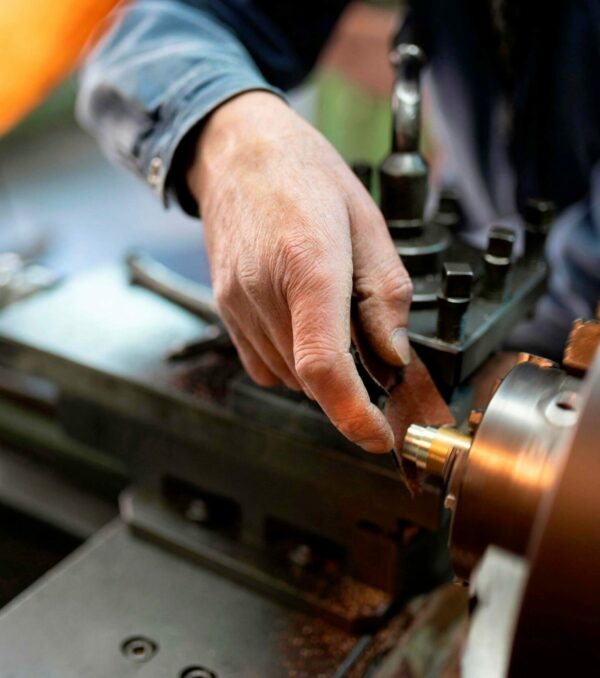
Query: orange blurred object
41, 43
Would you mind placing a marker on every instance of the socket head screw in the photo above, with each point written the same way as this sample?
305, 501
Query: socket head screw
457, 280
501, 242
538, 214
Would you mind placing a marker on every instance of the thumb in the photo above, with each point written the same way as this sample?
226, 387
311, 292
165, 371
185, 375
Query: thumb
382, 286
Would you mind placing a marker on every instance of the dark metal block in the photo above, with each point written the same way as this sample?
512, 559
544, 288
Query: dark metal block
81, 621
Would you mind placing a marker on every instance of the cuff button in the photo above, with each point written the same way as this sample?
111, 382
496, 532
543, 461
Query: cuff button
154, 172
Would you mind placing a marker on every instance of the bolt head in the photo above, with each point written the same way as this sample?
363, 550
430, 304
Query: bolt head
197, 672
501, 242
475, 417
449, 210
457, 280
449, 202
139, 649
539, 214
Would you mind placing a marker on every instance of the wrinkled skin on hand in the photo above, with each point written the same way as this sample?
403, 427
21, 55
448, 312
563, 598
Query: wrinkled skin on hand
291, 235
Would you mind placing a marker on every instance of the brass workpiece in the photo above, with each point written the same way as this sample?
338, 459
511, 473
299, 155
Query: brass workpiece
430, 448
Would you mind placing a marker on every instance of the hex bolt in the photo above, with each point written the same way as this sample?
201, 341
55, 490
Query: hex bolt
475, 417
364, 172
448, 211
498, 263
139, 649
453, 301
197, 672
538, 216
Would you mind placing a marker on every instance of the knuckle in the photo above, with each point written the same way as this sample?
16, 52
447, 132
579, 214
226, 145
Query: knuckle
396, 286
223, 294
300, 255
315, 365
390, 283
250, 278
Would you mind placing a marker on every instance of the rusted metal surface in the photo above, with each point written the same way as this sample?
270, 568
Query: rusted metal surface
311, 648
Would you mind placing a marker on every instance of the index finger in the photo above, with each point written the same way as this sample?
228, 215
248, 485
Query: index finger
320, 316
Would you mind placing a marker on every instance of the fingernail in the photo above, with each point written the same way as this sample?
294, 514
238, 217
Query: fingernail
400, 343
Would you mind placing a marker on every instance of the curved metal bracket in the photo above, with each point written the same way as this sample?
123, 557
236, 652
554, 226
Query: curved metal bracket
408, 61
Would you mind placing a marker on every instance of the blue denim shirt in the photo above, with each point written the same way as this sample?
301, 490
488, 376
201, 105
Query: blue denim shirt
166, 64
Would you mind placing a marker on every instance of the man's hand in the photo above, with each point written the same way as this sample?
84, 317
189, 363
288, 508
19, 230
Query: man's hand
291, 234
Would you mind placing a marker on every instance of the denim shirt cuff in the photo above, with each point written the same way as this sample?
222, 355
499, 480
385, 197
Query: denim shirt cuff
161, 144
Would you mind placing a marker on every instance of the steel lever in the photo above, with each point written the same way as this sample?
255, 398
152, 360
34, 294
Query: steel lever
150, 274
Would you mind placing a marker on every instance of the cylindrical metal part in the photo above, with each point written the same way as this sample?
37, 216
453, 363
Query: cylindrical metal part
430, 448
403, 186
422, 254
403, 174
450, 320
406, 97
511, 462
448, 212
538, 216
453, 300
497, 263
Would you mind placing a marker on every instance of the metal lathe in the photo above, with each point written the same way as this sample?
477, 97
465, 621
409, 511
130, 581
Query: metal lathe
217, 529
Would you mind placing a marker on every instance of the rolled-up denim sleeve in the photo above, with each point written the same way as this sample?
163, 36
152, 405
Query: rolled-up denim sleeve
164, 65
